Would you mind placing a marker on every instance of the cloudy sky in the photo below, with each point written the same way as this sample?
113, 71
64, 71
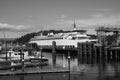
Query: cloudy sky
18, 17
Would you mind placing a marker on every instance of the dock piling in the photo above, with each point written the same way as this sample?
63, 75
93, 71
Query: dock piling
54, 53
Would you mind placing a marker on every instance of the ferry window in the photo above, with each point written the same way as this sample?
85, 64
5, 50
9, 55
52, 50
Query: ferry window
73, 38
82, 37
15, 53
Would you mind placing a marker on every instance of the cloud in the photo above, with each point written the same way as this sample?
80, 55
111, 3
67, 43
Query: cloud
63, 16
14, 28
96, 19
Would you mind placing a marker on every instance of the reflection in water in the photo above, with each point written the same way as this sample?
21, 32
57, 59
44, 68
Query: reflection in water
107, 67
21, 77
69, 76
104, 66
85, 66
31, 77
41, 77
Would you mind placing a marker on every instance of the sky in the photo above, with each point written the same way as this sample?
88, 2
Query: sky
19, 17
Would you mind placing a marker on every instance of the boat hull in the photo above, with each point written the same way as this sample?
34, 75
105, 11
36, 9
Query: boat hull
63, 44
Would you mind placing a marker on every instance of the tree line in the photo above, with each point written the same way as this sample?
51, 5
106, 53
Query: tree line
26, 38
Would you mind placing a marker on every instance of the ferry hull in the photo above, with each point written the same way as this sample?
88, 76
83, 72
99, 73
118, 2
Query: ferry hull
62, 44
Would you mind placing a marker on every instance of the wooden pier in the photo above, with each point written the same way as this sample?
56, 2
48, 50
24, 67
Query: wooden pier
33, 71
105, 50
87, 47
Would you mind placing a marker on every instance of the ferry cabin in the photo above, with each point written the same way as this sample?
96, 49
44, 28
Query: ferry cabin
63, 40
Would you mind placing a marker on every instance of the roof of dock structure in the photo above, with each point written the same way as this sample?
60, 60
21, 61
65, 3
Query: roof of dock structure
107, 29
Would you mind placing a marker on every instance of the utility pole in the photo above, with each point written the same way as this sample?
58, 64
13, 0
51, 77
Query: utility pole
41, 57
22, 57
5, 42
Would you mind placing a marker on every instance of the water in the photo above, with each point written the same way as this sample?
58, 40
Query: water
83, 67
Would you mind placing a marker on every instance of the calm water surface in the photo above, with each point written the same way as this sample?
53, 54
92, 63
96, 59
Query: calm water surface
83, 67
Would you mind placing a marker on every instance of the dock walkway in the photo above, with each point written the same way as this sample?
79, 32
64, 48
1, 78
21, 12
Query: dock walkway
32, 71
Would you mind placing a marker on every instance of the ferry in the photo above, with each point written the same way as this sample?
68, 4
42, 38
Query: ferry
63, 40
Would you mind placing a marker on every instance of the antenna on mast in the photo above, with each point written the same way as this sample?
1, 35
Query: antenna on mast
74, 25
41, 32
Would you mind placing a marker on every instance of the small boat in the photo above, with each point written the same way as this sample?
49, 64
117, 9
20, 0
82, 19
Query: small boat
5, 65
15, 62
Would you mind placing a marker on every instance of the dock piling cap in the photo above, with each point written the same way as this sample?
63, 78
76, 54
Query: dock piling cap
23, 60
68, 57
98, 45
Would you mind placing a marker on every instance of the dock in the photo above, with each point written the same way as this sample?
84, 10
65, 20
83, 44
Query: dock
33, 71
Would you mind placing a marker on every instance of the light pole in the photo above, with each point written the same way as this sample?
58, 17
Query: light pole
69, 61
69, 65
41, 58
63, 61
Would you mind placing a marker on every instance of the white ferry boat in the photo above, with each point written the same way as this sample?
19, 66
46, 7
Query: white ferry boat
63, 40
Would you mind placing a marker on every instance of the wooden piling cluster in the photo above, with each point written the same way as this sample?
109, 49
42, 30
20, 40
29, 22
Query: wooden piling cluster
103, 50
89, 51
113, 54
54, 53
87, 47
